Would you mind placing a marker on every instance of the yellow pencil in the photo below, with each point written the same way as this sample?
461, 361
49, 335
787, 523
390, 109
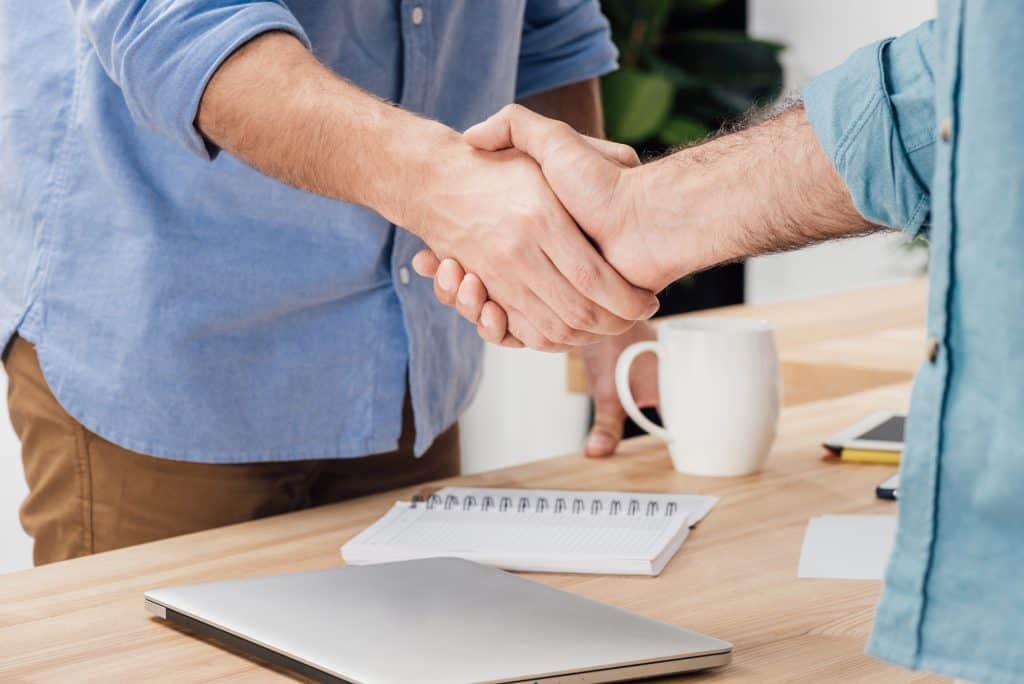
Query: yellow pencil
870, 456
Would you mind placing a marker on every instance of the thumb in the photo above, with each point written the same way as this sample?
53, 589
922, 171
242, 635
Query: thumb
606, 432
526, 130
518, 126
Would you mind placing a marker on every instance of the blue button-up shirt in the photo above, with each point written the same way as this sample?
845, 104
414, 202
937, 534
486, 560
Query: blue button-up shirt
184, 305
930, 124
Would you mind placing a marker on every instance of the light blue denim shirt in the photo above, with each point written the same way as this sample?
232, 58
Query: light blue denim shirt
932, 124
184, 305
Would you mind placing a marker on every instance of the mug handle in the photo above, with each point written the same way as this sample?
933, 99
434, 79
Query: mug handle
622, 367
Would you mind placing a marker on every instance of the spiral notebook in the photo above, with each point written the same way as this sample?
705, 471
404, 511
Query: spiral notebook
535, 530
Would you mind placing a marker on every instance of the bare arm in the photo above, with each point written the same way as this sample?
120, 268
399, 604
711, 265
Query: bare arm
763, 189
766, 188
275, 107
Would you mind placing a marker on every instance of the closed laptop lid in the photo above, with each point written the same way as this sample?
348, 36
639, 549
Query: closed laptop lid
441, 619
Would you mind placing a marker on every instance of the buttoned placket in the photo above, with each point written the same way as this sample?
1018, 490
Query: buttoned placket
936, 354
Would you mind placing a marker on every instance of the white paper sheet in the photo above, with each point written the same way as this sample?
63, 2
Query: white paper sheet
847, 546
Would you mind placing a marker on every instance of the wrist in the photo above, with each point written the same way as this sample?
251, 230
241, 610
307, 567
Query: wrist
653, 208
417, 153
688, 203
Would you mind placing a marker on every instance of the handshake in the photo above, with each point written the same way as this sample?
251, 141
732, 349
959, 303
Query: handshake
547, 238
557, 254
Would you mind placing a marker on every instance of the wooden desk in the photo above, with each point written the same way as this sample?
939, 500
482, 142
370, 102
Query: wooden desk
835, 344
735, 577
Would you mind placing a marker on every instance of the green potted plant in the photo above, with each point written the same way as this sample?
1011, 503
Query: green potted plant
685, 71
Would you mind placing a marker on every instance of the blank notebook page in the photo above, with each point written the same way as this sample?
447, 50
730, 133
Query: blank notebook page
538, 530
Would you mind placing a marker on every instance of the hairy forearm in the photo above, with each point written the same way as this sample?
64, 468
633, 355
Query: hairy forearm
763, 189
274, 106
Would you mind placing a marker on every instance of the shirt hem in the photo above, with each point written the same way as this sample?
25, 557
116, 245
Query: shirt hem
343, 449
7, 332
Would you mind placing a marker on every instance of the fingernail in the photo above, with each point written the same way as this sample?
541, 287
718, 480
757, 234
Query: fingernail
463, 297
652, 310
444, 279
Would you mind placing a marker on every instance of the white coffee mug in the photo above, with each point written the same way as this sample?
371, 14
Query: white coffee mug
719, 384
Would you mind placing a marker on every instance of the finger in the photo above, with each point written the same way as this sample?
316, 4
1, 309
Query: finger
618, 302
643, 381
446, 282
425, 263
559, 312
522, 329
497, 133
470, 298
520, 127
493, 325
512, 343
570, 251
606, 433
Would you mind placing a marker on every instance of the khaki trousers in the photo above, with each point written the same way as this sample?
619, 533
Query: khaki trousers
88, 495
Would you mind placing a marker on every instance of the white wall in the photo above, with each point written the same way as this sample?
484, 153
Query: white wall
819, 34
15, 546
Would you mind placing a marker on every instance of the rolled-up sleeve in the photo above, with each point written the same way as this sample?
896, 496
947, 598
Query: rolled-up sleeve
564, 41
162, 53
874, 115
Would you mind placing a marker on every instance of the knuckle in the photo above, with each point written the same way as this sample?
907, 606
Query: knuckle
557, 332
627, 155
531, 221
584, 276
550, 346
562, 128
612, 325
513, 250
584, 317
511, 109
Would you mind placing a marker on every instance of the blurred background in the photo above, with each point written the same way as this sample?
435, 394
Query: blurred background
688, 66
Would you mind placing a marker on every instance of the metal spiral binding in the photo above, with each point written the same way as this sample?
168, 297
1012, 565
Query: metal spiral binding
524, 504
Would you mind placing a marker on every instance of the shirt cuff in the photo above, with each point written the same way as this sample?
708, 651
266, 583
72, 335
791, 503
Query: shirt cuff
185, 85
851, 111
574, 48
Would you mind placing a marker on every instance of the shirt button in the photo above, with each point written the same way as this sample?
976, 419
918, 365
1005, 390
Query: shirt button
933, 349
946, 129
403, 275
417, 15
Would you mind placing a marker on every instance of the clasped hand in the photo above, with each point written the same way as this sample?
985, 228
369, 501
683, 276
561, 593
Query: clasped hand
564, 292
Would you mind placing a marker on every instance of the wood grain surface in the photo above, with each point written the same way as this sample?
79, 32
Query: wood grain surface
734, 578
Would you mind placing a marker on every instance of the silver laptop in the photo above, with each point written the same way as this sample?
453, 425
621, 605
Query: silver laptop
434, 620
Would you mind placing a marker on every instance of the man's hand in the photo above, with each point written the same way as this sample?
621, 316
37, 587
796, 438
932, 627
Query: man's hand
465, 292
493, 211
599, 364
591, 179
762, 189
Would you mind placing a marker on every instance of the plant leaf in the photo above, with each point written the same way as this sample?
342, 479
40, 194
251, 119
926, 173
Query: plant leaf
635, 104
682, 129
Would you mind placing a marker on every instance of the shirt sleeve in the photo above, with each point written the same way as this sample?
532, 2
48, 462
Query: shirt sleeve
874, 115
564, 41
162, 53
